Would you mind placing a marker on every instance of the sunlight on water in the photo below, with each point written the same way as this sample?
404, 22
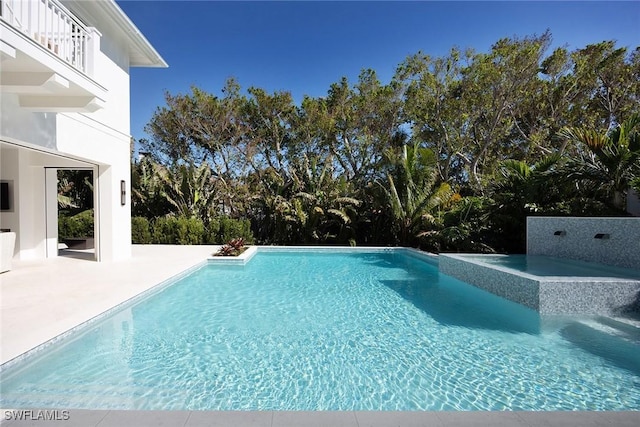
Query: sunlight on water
332, 331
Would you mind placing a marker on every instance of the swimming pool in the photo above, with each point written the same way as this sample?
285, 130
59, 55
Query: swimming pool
318, 330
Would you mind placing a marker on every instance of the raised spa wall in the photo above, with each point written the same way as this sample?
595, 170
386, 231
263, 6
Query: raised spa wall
611, 241
618, 244
546, 295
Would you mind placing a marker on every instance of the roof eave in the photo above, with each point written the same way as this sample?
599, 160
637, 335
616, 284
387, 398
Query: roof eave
141, 52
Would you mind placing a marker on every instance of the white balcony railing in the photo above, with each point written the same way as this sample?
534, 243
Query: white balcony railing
52, 26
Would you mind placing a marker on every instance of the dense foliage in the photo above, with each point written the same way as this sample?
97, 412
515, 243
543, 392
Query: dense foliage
79, 225
181, 230
452, 154
75, 204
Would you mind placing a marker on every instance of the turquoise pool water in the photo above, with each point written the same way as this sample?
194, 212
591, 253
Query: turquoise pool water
331, 331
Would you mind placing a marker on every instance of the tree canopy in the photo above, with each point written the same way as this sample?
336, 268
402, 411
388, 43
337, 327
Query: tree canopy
502, 134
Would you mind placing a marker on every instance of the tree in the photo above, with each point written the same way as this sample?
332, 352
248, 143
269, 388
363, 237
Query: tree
433, 108
267, 120
376, 162
492, 88
365, 120
609, 81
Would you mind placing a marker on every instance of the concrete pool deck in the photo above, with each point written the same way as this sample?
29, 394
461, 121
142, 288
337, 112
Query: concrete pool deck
41, 300
85, 418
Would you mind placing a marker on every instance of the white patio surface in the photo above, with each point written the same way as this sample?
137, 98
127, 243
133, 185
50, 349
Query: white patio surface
40, 300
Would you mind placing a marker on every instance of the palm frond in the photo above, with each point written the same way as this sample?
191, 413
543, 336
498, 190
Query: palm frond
340, 214
348, 201
590, 137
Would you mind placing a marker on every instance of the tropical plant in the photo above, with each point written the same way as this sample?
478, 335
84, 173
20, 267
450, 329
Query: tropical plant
521, 190
75, 190
465, 227
146, 190
608, 162
189, 189
414, 198
233, 247
325, 209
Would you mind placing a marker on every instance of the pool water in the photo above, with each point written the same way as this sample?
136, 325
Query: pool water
331, 331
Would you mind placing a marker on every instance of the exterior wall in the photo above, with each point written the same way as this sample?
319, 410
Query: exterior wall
99, 140
621, 248
9, 172
23, 218
38, 129
110, 149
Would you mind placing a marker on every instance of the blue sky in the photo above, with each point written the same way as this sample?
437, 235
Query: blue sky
302, 47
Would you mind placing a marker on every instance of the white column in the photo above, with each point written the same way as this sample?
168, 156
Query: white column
32, 208
51, 207
93, 49
113, 218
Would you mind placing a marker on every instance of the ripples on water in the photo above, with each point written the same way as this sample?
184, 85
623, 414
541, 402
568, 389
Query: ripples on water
332, 331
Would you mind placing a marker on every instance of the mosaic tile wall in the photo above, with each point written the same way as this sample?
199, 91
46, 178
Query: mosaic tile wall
552, 295
605, 297
516, 288
619, 242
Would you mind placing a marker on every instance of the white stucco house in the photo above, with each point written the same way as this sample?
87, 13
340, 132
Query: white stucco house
64, 88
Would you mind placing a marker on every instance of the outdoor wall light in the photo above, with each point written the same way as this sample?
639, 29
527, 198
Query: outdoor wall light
123, 193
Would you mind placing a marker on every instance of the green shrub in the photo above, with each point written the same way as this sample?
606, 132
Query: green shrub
178, 231
172, 230
212, 233
190, 231
63, 226
79, 225
164, 230
140, 230
234, 228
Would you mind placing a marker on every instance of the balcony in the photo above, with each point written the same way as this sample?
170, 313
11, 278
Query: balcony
48, 57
